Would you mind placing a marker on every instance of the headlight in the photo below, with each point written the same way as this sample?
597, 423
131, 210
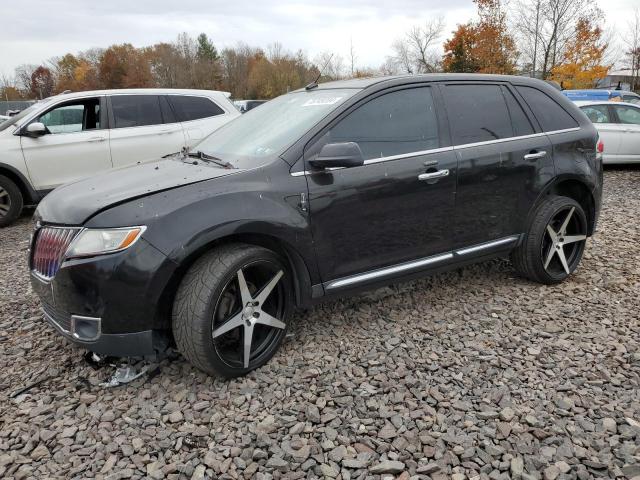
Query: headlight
90, 242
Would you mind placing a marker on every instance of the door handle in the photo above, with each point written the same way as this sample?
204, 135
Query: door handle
165, 132
433, 175
97, 139
535, 155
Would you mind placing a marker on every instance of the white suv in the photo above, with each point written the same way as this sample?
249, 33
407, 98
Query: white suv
75, 135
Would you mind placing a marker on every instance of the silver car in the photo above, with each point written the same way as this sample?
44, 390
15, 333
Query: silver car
618, 124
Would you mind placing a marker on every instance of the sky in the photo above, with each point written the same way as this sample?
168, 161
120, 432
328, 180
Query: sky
37, 30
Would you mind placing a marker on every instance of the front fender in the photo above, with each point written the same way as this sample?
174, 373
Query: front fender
183, 221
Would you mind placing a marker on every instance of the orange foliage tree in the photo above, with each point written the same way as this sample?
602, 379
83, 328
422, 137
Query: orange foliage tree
483, 46
581, 65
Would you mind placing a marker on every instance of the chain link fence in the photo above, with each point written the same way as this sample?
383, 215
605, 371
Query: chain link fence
14, 105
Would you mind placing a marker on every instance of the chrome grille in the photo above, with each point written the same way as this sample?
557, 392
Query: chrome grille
61, 319
49, 248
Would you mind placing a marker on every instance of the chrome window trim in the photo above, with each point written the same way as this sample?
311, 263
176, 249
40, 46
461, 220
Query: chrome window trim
520, 137
434, 259
444, 149
407, 155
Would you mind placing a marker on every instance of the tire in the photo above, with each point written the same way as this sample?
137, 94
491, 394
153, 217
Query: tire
11, 201
211, 296
539, 257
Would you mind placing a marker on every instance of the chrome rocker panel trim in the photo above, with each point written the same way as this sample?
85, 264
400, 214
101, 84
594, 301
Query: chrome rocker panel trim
417, 264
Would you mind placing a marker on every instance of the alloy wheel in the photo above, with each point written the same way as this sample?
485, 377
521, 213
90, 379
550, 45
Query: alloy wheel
563, 241
5, 202
247, 316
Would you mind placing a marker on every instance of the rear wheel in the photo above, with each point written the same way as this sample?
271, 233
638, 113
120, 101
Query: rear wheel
10, 201
555, 242
231, 309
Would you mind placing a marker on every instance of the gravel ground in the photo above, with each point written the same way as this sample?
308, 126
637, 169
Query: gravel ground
470, 374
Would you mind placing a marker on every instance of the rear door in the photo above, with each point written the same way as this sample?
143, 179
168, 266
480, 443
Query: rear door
199, 116
502, 160
628, 118
385, 212
75, 146
610, 132
143, 129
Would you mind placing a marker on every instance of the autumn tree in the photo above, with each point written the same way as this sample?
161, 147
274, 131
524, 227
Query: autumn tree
544, 29
459, 53
187, 62
482, 46
494, 49
124, 66
42, 82
581, 64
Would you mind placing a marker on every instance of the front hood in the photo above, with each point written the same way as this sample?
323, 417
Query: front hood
75, 203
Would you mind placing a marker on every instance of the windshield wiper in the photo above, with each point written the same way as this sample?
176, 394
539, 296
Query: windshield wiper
205, 157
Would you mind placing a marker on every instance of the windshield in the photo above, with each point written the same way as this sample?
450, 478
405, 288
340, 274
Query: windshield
16, 118
270, 129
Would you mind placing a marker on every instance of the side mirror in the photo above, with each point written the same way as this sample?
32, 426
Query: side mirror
35, 129
333, 155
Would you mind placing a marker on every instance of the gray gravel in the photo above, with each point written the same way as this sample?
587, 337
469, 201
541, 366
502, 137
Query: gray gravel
470, 374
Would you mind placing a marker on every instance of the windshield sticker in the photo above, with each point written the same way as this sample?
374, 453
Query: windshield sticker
315, 102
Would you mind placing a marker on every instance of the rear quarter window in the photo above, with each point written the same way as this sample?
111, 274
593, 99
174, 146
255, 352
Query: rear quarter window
194, 108
549, 113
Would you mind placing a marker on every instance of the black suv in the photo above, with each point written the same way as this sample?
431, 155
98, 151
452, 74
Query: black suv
325, 191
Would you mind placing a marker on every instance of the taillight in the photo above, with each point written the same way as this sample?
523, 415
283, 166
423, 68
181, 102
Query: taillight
599, 149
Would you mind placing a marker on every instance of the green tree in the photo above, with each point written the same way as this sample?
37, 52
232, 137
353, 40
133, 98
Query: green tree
206, 49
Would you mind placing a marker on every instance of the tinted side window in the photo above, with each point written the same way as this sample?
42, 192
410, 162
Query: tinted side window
597, 113
477, 113
193, 108
393, 124
519, 120
167, 113
550, 115
628, 114
136, 110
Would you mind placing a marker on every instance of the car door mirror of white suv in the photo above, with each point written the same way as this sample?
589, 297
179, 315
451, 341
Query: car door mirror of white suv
35, 129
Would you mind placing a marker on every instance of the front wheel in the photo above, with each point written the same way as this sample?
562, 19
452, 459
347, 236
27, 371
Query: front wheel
231, 309
553, 246
10, 201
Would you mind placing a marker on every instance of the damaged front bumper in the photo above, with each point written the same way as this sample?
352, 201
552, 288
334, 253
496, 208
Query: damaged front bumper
78, 330
111, 304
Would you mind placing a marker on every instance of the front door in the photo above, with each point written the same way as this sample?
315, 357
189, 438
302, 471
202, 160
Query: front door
386, 212
75, 146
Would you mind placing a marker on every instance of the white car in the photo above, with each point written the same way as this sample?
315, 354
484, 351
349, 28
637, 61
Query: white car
75, 135
618, 124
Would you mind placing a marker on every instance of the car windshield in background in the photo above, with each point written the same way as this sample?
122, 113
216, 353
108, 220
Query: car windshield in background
273, 127
16, 118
